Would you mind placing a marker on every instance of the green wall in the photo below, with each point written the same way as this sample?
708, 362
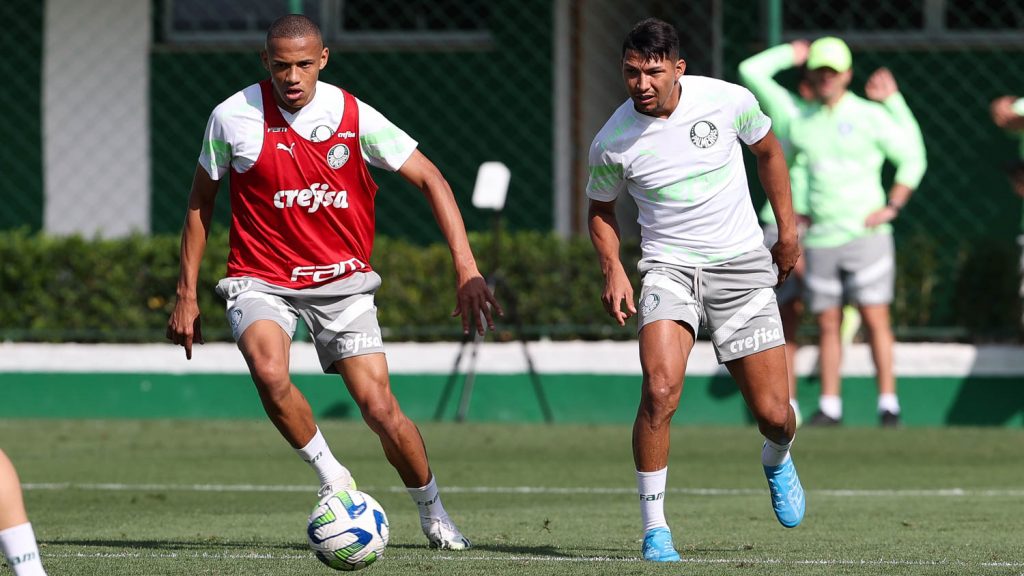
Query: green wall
21, 154
573, 398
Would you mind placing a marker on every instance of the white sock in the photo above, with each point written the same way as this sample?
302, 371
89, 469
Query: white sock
774, 454
318, 455
888, 403
19, 547
651, 487
428, 502
831, 406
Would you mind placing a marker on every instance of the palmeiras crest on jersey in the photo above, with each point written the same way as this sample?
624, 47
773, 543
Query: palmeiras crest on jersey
649, 303
337, 156
321, 133
703, 134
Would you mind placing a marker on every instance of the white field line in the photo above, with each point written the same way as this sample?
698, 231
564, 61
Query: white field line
395, 556
899, 493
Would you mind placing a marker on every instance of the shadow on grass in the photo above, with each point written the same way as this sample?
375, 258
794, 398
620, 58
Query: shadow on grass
519, 550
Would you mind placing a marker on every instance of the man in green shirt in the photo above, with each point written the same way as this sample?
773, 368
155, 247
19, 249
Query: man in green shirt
841, 142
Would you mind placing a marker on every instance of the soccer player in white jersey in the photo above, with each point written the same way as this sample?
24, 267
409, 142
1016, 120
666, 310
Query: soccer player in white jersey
674, 146
17, 539
302, 204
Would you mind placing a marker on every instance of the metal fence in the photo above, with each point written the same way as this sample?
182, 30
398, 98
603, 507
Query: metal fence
113, 95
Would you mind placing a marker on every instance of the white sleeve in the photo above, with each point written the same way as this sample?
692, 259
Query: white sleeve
383, 144
751, 123
215, 155
606, 175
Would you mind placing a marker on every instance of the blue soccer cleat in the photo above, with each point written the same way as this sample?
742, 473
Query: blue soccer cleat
787, 493
658, 546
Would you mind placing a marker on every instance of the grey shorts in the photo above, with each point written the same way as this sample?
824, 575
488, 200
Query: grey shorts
734, 301
793, 287
340, 315
861, 272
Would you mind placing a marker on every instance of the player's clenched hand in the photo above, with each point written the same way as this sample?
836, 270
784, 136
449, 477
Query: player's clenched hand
184, 327
800, 49
476, 302
1002, 110
880, 85
784, 255
618, 293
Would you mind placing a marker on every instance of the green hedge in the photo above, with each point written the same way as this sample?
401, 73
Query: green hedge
72, 289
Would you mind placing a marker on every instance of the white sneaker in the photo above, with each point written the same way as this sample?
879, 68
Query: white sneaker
346, 482
443, 534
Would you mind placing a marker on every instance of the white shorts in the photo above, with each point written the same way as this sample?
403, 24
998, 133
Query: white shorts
341, 315
735, 301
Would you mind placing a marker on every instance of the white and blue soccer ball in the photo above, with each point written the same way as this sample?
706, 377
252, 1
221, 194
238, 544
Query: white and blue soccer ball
348, 530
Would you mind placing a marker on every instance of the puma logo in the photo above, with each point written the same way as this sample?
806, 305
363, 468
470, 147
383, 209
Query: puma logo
287, 149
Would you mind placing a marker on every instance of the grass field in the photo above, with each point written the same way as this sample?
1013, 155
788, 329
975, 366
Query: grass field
229, 497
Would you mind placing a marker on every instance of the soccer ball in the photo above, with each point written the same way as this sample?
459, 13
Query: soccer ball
348, 530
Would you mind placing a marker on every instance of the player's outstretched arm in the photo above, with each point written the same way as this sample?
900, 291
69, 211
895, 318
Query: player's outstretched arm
774, 176
183, 327
617, 296
758, 72
475, 301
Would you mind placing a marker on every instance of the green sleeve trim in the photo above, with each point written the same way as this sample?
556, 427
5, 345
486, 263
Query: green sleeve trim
750, 120
219, 152
384, 142
605, 176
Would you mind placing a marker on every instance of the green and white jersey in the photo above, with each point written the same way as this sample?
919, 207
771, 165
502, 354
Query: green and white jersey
685, 172
234, 132
842, 149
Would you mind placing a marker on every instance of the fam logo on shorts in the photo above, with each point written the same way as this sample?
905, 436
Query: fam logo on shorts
649, 303
337, 156
703, 134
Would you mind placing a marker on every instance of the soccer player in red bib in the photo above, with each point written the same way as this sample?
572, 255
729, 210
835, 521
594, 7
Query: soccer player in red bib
302, 229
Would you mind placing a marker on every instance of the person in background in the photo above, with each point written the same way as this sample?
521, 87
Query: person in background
843, 140
1008, 114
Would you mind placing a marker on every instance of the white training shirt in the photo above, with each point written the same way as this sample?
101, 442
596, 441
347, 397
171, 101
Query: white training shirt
685, 172
234, 133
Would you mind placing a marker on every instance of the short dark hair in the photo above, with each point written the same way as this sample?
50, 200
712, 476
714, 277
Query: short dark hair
653, 39
293, 26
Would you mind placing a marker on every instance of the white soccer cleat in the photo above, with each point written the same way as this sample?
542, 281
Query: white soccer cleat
346, 482
443, 534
